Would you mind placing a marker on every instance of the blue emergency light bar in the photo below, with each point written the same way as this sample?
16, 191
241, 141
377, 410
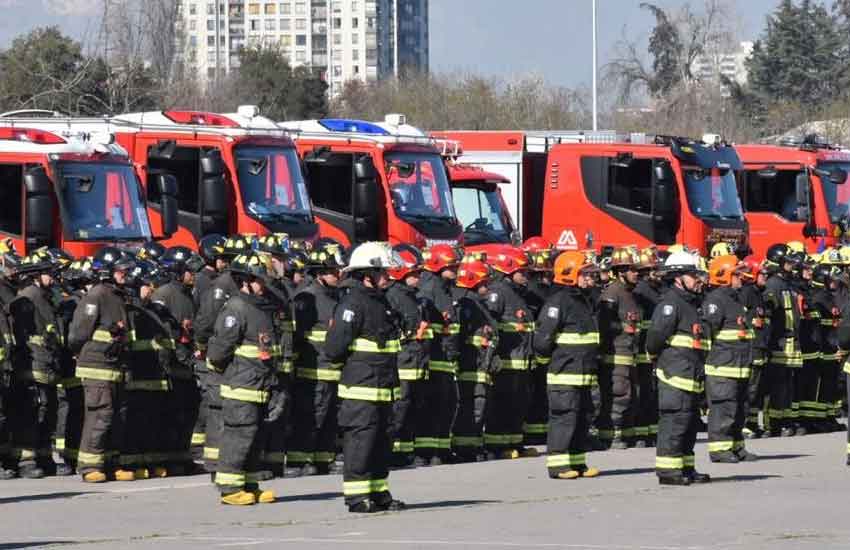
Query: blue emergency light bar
348, 125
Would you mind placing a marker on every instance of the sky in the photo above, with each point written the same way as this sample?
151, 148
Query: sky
501, 38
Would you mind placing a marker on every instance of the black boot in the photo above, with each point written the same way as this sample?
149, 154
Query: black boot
746, 456
674, 480
697, 477
392, 506
364, 507
725, 457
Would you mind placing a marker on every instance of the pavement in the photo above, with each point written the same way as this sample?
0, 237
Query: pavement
794, 497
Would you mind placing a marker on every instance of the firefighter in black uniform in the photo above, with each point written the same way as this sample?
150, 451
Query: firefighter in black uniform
539, 288
503, 437
433, 433
242, 350
647, 294
752, 297
567, 332
825, 281
804, 404
210, 249
8, 259
211, 302
479, 333
37, 372
312, 447
412, 406
98, 335
729, 360
676, 335
173, 301
782, 310
364, 336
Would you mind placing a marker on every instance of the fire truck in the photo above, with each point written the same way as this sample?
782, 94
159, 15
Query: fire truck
235, 173
376, 181
584, 190
795, 192
75, 191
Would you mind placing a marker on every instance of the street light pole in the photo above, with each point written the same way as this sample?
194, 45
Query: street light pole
594, 67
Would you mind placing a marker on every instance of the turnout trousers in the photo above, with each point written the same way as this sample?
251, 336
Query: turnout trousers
756, 396
780, 391
242, 442
567, 435
646, 420
315, 428
33, 414
829, 374
468, 432
147, 427
433, 430
69, 420
408, 412
805, 405
5, 432
104, 424
678, 422
535, 426
199, 431
367, 447
214, 421
727, 400
185, 399
506, 416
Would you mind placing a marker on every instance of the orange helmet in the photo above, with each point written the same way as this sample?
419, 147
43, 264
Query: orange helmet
473, 273
648, 258
509, 261
440, 257
623, 257
568, 266
722, 268
412, 259
537, 244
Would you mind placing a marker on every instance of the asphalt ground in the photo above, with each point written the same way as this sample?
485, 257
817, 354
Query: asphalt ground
795, 497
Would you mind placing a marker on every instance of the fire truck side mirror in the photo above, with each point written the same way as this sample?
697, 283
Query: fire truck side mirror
39, 208
364, 169
802, 193
663, 200
212, 164
167, 184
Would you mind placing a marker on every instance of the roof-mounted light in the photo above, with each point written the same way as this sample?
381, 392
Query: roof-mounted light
29, 135
355, 126
200, 118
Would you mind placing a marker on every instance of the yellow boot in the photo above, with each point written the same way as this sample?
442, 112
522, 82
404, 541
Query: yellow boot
141, 473
264, 497
569, 474
94, 477
591, 472
239, 498
510, 454
160, 471
124, 475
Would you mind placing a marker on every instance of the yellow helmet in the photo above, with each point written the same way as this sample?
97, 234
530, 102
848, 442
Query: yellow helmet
796, 246
721, 249
844, 254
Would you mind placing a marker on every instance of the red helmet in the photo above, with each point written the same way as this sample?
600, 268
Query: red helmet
412, 259
754, 265
509, 261
537, 244
440, 257
473, 273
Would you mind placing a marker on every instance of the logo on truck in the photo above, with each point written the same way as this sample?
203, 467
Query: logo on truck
567, 240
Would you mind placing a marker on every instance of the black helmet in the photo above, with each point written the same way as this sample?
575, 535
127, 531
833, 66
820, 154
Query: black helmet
824, 274
276, 244
236, 245
39, 261
151, 250
145, 272
211, 247
78, 274
60, 258
252, 265
178, 259
777, 254
109, 260
319, 259
296, 260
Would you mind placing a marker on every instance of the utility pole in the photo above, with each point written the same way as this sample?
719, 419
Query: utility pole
595, 127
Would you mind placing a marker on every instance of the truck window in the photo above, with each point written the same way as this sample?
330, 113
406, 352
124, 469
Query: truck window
11, 199
330, 183
772, 194
185, 165
631, 187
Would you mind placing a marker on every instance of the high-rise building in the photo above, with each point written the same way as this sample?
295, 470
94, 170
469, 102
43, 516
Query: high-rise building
732, 64
342, 39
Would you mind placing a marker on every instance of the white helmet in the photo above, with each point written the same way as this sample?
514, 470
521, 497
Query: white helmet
373, 255
684, 262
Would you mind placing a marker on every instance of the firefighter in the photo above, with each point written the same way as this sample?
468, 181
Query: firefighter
503, 436
433, 434
412, 406
210, 249
647, 293
804, 404
729, 360
173, 301
676, 336
37, 372
8, 259
783, 313
752, 297
211, 302
619, 326
843, 334
567, 332
539, 288
825, 281
312, 447
364, 336
479, 334
98, 336
241, 349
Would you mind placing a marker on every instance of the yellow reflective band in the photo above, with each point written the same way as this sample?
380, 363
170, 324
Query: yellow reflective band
475, 377
94, 373
325, 375
299, 456
542, 360
316, 336
38, 376
244, 394
285, 367
790, 359
720, 446
497, 439
619, 360
403, 447
553, 379
249, 351
688, 342
366, 393
479, 341
101, 335
59, 443
828, 322
759, 362
811, 356
269, 457
451, 328
324, 457
846, 367
561, 460
535, 428
514, 364
432, 443
644, 359
831, 356
211, 453
449, 367
152, 345
734, 335
678, 382
689, 460
516, 327
224, 478
199, 438
577, 338
90, 459
728, 372
467, 441
148, 385
412, 374
352, 488
370, 346
669, 462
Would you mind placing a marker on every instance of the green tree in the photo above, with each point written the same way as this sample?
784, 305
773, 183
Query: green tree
665, 46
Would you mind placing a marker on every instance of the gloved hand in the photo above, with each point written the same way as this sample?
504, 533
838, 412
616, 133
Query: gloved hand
276, 406
118, 331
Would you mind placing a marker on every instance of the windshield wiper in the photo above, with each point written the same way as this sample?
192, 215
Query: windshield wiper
427, 217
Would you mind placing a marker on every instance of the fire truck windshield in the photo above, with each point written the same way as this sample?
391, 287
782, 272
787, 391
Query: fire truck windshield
271, 183
480, 211
837, 196
712, 194
101, 201
418, 186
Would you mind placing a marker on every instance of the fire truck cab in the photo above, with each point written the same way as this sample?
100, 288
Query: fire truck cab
585, 190
376, 181
75, 191
480, 207
235, 173
795, 192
